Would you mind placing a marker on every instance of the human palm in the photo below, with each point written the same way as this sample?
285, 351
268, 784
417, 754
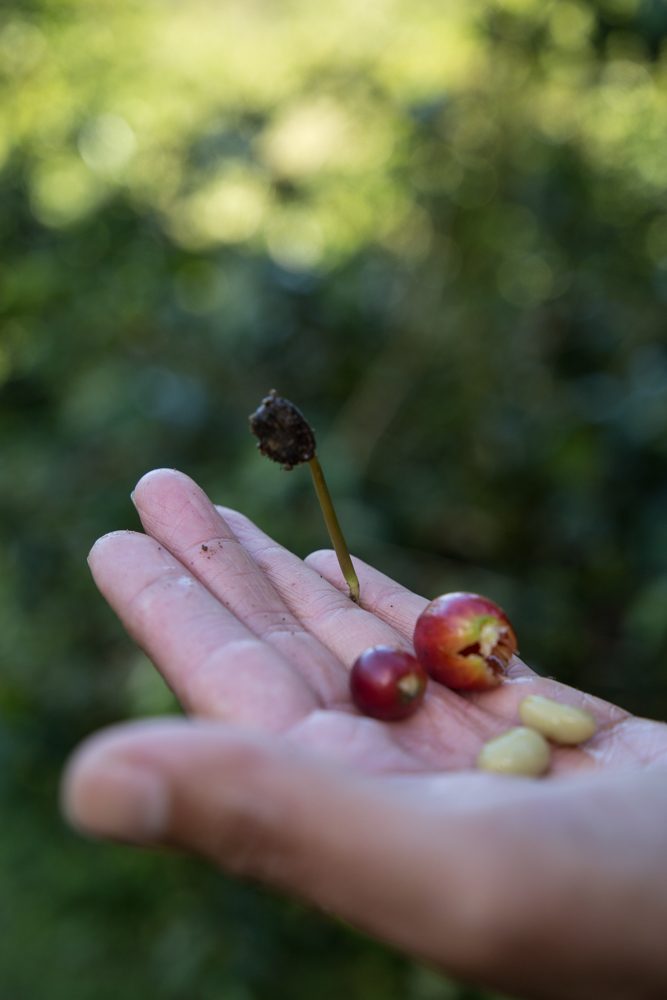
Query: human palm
246, 632
276, 775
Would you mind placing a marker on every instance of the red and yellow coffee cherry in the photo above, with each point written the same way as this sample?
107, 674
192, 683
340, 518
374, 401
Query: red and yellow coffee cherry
464, 641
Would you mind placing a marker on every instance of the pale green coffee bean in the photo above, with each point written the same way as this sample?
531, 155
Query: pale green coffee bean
518, 751
563, 724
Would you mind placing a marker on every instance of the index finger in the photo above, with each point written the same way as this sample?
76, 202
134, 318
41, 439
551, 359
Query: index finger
214, 664
177, 513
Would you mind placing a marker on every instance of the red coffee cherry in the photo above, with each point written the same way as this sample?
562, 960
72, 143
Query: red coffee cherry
464, 641
387, 683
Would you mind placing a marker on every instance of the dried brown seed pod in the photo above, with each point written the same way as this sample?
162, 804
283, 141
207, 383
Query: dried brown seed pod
284, 435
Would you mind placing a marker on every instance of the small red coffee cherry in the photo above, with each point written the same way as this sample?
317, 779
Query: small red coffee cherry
387, 683
464, 641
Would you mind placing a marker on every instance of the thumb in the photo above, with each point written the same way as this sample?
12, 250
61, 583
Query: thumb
260, 807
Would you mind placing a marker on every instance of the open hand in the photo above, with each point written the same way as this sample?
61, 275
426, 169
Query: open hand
550, 888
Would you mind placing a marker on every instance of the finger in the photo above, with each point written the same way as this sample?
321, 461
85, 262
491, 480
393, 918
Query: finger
215, 665
260, 808
176, 512
503, 703
345, 628
391, 602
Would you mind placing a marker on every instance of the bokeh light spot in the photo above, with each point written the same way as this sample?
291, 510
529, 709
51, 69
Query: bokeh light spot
107, 144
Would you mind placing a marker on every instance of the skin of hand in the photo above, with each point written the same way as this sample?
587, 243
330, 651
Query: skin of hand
542, 888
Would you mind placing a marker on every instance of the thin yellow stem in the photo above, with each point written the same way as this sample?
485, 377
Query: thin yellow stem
333, 527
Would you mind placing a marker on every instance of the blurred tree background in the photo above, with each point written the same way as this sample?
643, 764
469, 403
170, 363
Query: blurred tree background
441, 228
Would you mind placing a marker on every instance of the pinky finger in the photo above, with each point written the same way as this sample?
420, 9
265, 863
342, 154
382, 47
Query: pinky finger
392, 603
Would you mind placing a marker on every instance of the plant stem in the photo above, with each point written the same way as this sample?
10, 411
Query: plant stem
333, 527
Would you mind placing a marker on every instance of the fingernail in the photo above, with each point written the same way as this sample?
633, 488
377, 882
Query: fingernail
118, 801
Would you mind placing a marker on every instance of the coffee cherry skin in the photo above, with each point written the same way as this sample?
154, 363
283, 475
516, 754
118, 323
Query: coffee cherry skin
387, 683
464, 641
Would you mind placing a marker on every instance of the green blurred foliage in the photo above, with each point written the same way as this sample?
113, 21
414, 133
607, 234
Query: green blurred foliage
441, 228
